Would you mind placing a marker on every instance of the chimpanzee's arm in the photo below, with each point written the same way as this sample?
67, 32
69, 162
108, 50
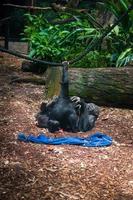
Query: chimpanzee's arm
64, 83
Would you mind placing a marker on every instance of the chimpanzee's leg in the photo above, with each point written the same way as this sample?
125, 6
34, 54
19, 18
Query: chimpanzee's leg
53, 125
72, 120
42, 120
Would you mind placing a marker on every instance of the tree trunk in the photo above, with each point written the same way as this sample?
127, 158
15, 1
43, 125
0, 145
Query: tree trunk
53, 77
103, 86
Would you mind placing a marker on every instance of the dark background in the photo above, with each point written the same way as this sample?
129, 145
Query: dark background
15, 24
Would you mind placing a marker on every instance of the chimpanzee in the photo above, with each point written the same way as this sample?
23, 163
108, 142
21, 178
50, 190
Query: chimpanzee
60, 113
71, 114
43, 116
87, 112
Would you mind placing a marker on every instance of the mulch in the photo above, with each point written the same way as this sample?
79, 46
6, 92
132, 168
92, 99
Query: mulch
45, 172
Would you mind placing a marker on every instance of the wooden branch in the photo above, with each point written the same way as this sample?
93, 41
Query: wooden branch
5, 19
59, 8
32, 2
54, 7
27, 7
64, 21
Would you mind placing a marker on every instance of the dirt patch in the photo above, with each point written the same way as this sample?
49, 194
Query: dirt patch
45, 172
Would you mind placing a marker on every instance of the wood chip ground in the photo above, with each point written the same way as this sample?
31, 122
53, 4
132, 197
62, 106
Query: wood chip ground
45, 172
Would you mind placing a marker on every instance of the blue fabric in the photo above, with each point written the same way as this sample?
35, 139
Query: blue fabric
95, 140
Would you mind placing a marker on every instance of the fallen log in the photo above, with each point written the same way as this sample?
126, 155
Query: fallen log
33, 67
34, 79
103, 86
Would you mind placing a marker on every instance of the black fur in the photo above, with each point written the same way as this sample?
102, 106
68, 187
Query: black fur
87, 112
60, 113
71, 114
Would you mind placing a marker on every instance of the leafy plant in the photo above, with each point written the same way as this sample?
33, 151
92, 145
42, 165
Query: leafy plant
120, 41
125, 58
58, 42
118, 8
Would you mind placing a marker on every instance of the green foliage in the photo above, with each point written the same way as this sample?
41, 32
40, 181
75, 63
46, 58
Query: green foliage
125, 57
120, 40
120, 45
118, 8
94, 59
59, 42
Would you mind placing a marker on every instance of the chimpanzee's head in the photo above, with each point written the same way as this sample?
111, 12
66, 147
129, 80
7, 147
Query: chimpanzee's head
93, 109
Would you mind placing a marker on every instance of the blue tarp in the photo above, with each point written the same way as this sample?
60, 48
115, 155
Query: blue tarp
95, 140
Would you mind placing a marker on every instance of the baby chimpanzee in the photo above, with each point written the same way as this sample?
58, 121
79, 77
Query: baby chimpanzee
87, 112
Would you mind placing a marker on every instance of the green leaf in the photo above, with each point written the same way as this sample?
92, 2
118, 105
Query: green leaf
123, 54
124, 3
124, 58
116, 30
32, 53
